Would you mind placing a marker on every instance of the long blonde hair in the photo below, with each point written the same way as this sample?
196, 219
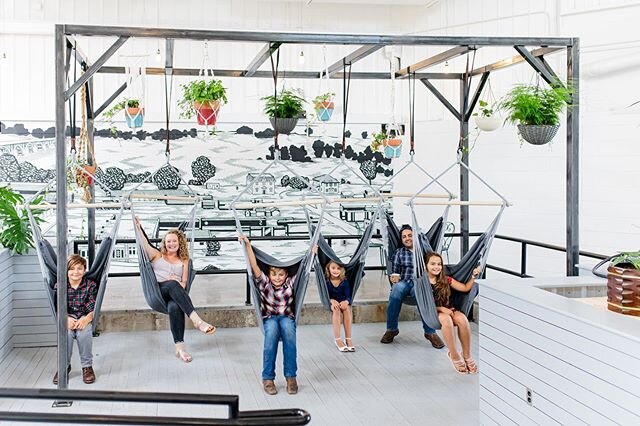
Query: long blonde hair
343, 271
183, 250
441, 288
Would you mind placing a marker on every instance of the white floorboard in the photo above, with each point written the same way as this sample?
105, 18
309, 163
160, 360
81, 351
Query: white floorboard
404, 383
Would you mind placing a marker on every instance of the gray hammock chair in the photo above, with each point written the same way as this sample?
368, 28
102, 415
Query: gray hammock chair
150, 286
354, 267
98, 272
461, 271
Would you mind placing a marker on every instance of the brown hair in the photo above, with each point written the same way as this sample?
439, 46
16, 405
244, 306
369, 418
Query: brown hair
277, 268
183, 251
76, 259
327, 274
441, 288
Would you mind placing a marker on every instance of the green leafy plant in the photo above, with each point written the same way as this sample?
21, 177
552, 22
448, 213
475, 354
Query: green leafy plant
120, 106
320, 99
629, 260
288, 104
484, 109
378, 140
534, 105
15, 228
200, 91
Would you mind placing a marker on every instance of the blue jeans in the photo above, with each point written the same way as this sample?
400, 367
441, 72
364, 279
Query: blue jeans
400, 291
275, 328
84, 338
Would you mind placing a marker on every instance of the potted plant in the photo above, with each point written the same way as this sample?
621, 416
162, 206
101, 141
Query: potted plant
287, 107
204, 99
536, 110
391, 143
323, 105
487, 118
15, 228
134, 115
623, 283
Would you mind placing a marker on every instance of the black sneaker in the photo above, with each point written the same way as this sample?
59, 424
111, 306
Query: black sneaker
388, 336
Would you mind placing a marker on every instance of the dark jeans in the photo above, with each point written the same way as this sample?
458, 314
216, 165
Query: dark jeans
178, 304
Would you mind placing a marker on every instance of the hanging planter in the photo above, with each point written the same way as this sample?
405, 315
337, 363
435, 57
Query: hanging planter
206, 112
536, 110
133, 114
288, 107
391, 146
202, 98
134, 117
324, 106
487, 118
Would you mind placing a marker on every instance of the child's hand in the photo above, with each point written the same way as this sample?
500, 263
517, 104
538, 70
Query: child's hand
244, 238
314, 249
137, 221
344, 304
334, 305
82, 323
476, 272
71, 323
447, 311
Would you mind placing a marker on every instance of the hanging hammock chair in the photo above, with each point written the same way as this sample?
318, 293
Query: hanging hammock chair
354, 267
461, 271
98, 272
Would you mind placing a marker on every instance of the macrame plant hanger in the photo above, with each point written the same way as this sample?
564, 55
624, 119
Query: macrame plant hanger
136, 73
207, 112
325, 106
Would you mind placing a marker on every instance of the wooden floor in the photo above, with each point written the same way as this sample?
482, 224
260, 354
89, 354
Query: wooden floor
404, 383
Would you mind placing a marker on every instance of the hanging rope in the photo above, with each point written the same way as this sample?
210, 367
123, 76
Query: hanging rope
346, 84
274, 72
168, 89
72, 106
412, 112
467, 77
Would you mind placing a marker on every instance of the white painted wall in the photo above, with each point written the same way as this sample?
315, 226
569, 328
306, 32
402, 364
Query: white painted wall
533, 178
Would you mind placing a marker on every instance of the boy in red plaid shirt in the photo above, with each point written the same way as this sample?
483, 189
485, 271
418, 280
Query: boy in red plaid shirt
276, 303
81, 300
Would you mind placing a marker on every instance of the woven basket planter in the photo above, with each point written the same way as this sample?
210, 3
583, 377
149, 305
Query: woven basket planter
538, 134
285, 125
623, 290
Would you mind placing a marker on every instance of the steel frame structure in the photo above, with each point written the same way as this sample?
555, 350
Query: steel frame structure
66, 46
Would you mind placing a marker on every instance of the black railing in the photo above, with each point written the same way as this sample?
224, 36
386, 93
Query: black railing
292, 416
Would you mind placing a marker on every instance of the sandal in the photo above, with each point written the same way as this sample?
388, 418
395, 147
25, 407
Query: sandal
183, 355
460, 366
350, 347
341, 348
472, 367
206, 328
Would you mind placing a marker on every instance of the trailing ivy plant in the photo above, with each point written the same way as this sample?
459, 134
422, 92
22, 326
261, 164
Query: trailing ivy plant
120, 106
289, 104
484, 109
378, 140
319, 100
534, 105
15, 229
200, 91
629, 260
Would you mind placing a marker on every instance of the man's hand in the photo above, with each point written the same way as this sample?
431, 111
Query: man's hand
71, 323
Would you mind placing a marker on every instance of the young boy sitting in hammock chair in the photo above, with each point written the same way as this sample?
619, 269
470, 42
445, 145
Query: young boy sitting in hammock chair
278, 314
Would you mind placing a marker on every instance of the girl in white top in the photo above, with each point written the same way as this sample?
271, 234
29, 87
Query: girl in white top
171, 267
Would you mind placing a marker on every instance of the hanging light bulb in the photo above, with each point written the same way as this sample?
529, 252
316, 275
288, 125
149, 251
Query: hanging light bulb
158, 56
301, 58
446, 66
4, 55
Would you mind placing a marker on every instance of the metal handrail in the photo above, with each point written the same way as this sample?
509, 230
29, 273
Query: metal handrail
293, 416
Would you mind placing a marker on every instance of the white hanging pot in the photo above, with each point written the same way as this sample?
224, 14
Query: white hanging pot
488, 124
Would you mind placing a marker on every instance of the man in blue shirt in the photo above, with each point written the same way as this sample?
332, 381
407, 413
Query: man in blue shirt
402, 282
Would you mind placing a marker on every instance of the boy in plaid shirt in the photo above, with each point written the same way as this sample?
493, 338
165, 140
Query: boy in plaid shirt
276, 303
81, 300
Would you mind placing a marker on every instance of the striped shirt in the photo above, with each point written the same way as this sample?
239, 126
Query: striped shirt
403, 264
81, 301
276, 301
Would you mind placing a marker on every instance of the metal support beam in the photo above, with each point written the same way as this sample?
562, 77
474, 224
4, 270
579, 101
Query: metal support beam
549, 68
81, 57
311, 38
61, 201
352, 57
464, 172
111, 98
95, 67
91, 213
312, 75
168, 56
535, 63
573, 160
515, 60
260, 58
442, 99
476, 96
434, 60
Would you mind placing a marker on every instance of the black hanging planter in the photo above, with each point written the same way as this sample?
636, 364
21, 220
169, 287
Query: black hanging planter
538, 134
285, 125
